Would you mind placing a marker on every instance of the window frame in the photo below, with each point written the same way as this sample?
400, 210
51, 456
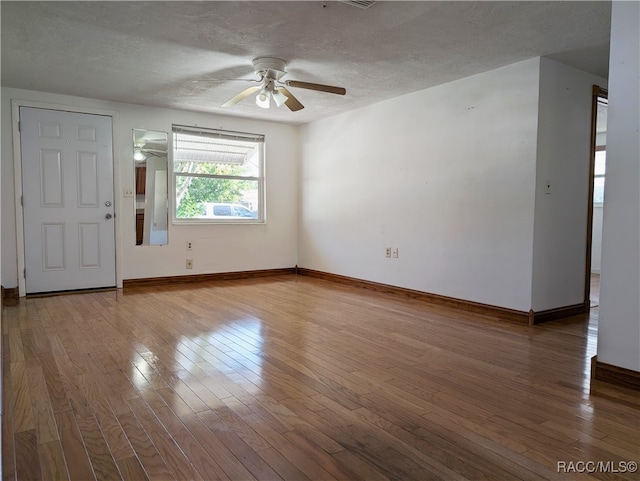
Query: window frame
259, 139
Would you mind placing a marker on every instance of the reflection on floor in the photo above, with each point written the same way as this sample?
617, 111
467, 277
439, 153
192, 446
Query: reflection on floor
294, 378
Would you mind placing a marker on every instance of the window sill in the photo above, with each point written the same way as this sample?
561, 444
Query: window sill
218, 222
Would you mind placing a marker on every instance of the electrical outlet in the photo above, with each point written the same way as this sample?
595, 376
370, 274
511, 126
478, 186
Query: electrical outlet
189, 245
387, 252
189, 263
127, 192
394, 252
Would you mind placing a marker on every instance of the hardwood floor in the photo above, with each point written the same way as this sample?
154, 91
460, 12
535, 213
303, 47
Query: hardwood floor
295, 378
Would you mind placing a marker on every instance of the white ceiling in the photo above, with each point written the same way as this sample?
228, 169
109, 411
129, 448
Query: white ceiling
154, 53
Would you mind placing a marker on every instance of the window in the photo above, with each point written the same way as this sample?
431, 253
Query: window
218, 176
601, 150
598, 177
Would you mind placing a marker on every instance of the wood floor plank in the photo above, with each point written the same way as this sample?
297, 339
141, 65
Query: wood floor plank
101, 458
240, 425
234, 442
390, 436
57, 348
23, 419
201, 458
29, 348
207, 438
27, 460
315, 461
131, 469
72, 385
112, 430
282, 465
52, 461
42, 408
15, 341
146, 452
79, 463
54, 384
8, 425
357, 467
174, 457
115, 388
294, 378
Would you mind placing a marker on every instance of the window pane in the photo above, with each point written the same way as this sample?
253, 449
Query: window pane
207, 198
601, 159
598, 190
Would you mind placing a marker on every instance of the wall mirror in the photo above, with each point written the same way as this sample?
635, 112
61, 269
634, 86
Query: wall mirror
151, 186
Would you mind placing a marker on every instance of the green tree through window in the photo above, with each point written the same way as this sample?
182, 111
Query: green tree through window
193, 192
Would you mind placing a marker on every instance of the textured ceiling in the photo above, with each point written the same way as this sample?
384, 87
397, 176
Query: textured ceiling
155, 53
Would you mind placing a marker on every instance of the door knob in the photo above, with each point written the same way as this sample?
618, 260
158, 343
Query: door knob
108, 216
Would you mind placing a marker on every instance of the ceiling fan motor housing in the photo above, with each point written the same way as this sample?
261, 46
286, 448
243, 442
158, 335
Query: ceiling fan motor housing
269, 67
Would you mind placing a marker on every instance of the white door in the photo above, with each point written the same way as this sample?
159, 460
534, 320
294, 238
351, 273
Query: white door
67, 187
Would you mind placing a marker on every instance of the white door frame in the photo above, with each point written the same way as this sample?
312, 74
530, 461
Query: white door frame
17, 177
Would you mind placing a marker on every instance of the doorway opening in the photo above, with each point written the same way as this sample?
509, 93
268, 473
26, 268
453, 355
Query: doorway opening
597, 173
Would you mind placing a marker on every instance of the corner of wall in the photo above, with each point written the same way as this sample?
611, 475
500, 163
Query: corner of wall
619, 316
561, 185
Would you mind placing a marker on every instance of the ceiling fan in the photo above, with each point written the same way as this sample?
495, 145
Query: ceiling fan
271, 87
141, 151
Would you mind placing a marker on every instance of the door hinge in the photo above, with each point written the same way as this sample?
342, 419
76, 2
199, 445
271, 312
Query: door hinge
19, 126
24, 272
22, 200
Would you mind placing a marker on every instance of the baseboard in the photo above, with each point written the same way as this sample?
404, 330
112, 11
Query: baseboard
503, 313
558, 313
10, 293
219, 276
611, 374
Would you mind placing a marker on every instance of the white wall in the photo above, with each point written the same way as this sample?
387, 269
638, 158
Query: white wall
619, 319
216, 248
563, 159
446, 174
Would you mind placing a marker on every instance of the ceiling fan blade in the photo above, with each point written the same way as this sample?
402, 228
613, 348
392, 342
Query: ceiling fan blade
242, 95
155, 153
224, 80
311, 86
292, 102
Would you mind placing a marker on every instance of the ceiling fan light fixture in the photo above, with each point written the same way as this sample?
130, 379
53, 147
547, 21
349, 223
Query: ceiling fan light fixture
279, 97
262, 99
138, 155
